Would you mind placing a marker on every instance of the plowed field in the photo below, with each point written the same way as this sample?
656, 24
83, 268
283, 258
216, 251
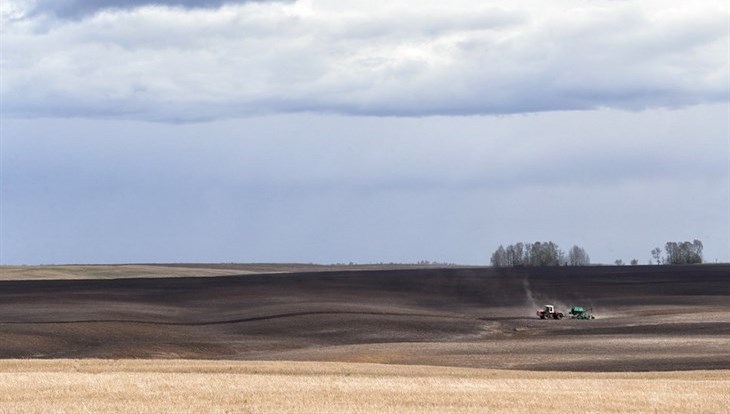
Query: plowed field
649, 318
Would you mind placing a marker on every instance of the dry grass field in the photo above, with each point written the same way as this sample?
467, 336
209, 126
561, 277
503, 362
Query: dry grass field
185, 386
72, 272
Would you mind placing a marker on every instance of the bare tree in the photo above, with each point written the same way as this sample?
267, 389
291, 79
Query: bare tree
634, 262
673, 256
530, 254
656, 253
499, 257
516, 254
684, 252
545, 254
577, 256
618, 262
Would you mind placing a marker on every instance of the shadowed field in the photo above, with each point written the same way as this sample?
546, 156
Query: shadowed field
180, 386
649, 317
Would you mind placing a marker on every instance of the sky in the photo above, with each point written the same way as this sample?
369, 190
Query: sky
361, 131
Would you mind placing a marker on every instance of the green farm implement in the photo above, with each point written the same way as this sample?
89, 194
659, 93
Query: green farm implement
579, 312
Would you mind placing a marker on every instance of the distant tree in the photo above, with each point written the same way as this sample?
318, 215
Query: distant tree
529, 254
656, 253
684, 252
545, 254
695, 255
672, 250
577, 256
499, 257
516, 254
634, 262
619, 262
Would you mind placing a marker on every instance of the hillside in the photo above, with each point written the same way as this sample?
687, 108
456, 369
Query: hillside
649, 317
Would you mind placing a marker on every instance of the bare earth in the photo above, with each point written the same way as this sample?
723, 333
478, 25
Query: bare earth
650, 318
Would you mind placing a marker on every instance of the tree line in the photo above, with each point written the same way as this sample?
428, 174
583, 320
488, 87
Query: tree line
679, 253
549, 254
538, 254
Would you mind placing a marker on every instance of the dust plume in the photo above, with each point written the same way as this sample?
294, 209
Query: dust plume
528, 294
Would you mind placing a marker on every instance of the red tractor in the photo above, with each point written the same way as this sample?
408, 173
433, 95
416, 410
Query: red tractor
549, 313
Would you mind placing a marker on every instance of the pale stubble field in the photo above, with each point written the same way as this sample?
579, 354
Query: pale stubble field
186, 386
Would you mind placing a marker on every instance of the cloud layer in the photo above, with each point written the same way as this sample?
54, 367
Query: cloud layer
158, 62
324, 188
82, 8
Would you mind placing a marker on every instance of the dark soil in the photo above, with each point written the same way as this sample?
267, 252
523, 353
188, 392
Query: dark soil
648, 317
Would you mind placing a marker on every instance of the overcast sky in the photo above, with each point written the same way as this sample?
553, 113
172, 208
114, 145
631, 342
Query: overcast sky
363, 131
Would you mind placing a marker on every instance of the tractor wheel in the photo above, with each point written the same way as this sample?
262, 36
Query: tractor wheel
542, 316
559, 316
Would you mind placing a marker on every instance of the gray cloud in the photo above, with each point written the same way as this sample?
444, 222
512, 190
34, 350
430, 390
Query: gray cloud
367, 58
327, 188
83, 8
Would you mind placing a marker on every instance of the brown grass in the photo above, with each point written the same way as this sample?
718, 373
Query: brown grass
67, 272
183, 386
123, 271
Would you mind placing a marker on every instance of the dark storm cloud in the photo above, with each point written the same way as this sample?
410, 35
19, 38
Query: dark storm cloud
81, 8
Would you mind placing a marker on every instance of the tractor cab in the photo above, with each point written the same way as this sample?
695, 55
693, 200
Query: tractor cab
549, 313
